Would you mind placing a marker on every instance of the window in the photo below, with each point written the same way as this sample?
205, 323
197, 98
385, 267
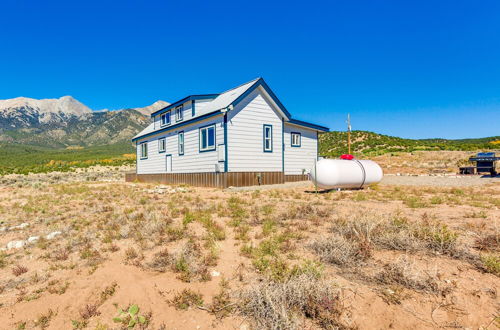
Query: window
162, 145
207, 138
165, 119
268, 138
180, 138
144, 150
178, 113
295, 139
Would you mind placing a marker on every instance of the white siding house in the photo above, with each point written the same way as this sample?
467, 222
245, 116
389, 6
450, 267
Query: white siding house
245, 129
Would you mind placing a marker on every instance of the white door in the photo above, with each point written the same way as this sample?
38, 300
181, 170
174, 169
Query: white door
169, 163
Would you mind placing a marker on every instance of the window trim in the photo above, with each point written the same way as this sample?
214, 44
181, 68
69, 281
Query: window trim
160, 140
141, 154
300, 139
214, 147
181, 133
264, 138
165, 114
179, 110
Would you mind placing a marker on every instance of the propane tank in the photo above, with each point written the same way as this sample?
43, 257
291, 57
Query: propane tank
347, 172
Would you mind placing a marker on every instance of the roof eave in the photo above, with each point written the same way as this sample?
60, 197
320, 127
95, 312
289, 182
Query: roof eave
308, 125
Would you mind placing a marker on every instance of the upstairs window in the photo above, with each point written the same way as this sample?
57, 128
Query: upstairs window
296, 139
165, 119
268, 138
144, 150
179, 113
180, 138
162, 145
207, 138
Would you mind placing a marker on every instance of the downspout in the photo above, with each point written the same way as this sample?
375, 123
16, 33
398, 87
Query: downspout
225, 144
283, 146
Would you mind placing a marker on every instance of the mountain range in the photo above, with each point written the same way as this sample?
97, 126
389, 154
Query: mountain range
66, 122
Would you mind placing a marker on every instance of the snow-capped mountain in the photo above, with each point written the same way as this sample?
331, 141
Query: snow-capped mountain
66, 122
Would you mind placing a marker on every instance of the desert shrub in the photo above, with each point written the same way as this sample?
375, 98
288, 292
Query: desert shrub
189, 262
437, 236
491, 263
175, 233
131, 253
338, 250
281, 305
187, 298
19, 270
60, 254
161, 261
43, 320
108, 292
488, 243
404, 273
89, 310
222, 304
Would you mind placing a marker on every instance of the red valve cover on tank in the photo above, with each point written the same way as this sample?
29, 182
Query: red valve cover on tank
347, 157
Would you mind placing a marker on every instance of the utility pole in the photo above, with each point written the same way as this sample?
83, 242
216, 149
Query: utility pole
349, 134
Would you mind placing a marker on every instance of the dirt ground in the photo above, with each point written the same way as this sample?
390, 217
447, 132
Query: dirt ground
396, 255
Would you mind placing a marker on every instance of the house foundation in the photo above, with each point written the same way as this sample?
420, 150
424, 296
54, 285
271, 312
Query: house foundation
216, 180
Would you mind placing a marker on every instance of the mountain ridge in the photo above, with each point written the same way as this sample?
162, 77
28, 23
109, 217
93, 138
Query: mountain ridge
65, 122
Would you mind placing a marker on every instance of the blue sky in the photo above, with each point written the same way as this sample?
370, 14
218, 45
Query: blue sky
413, 69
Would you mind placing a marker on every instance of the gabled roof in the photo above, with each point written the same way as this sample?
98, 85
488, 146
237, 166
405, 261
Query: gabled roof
221, 102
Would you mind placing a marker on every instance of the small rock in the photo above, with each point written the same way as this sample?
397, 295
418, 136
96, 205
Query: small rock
15, 244
215, 273
2, 229
53, 235
21, 226
33, 239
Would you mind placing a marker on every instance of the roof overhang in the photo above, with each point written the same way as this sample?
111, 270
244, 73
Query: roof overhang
184, 100
308, 125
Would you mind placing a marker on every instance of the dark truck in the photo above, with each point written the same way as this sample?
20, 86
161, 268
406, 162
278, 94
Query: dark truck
485, 163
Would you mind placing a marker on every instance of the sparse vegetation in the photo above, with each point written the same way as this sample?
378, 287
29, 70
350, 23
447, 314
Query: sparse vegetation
187, 298
268, 258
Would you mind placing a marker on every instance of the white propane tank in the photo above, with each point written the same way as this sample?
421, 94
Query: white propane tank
343, 173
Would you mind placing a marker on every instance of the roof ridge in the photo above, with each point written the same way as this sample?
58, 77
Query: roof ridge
253, 80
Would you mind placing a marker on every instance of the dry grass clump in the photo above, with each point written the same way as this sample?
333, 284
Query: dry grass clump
89, 310
222, 305
397, 233
282, 305
491, 263
191, 263
161, 261
187, 298
403, 272
19, 270
338, 250
488, 243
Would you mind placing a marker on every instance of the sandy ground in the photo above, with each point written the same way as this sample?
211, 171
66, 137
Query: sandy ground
111, 233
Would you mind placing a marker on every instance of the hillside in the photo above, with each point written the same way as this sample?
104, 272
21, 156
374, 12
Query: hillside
23, 159
66, 122
334, 144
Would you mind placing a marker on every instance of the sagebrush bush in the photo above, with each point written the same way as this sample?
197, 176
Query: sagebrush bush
281, 305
